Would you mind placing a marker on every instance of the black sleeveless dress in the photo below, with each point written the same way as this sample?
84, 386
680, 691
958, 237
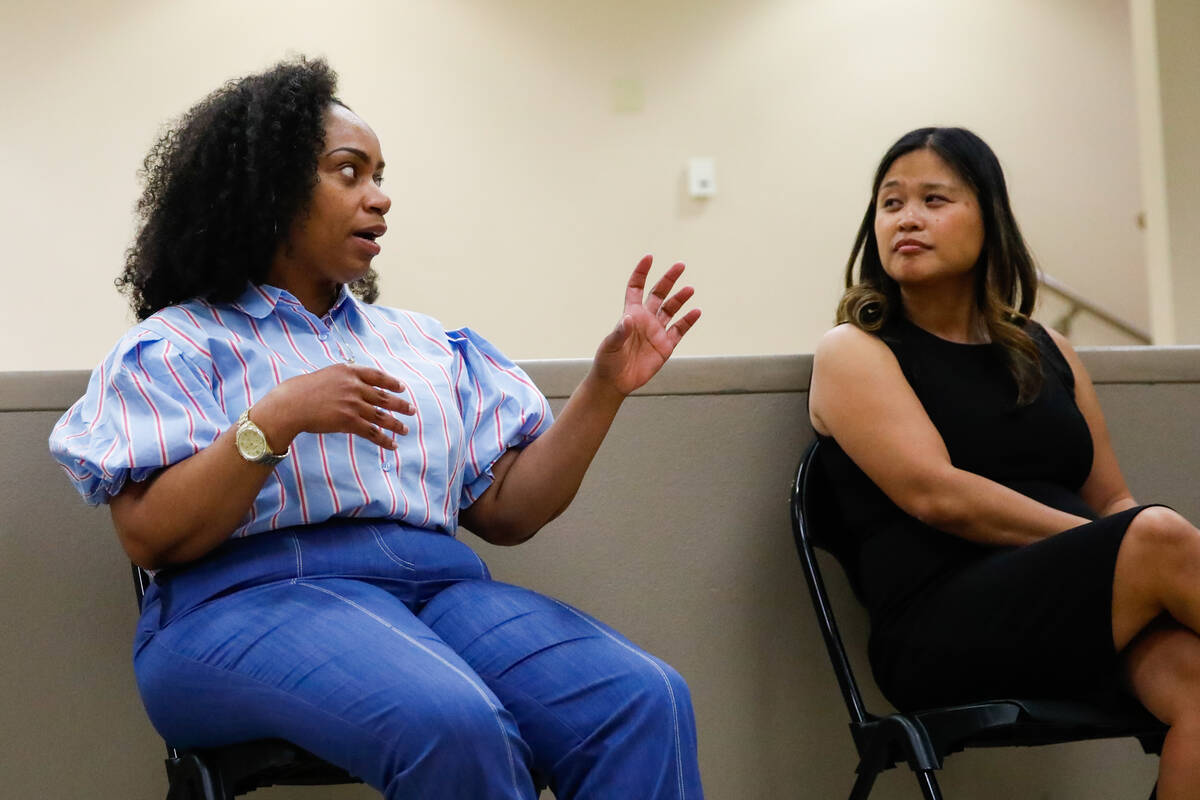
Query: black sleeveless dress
953, 621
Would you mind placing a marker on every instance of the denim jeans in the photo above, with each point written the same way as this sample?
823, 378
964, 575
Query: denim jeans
389, 651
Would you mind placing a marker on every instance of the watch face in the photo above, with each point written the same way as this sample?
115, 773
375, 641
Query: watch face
251, 444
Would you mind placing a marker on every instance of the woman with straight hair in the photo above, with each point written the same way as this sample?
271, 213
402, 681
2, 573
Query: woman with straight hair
1000, 552
294, 462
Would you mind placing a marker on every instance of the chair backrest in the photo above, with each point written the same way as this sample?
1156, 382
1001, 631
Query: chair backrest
813, 527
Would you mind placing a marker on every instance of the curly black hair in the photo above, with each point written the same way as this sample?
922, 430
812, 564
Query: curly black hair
223, 185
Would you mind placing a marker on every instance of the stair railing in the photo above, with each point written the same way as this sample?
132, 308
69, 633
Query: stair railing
1077, 303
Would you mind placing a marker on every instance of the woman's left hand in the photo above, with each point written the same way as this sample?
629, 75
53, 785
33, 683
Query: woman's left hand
534, 484
644, 338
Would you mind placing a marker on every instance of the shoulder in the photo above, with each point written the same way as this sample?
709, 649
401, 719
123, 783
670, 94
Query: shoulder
181, 322
847, 342
853, 372
186, 330
847, 358
845, 337
1062, 343
403, 318
1051, 343
1057, 350
398, 315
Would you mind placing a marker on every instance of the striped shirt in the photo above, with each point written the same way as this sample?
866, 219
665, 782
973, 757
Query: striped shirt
178, 379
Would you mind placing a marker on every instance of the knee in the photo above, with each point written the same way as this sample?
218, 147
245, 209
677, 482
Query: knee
657, 696
1163, 533
462, 727
464, 734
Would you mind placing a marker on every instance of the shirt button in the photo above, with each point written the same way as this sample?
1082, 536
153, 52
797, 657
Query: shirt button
322, 336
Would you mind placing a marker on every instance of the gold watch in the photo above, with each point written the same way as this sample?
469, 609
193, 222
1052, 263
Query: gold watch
252, 443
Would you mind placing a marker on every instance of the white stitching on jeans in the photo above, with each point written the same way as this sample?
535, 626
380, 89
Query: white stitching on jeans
299, 558
663, 675
387, 551
512, 763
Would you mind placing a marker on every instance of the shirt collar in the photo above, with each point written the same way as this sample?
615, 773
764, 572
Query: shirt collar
345, 296
260, 300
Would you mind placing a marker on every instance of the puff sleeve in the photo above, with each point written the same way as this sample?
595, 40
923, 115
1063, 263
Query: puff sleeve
148, 405
501, 408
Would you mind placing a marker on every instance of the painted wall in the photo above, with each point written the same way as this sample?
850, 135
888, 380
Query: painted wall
1178, 27
537, 148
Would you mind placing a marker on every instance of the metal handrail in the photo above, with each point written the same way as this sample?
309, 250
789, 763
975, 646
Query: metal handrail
1078, 302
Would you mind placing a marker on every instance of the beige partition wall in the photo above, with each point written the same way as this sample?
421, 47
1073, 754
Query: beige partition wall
679, 537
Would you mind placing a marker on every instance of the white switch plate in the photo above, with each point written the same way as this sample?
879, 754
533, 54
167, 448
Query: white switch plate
702, 177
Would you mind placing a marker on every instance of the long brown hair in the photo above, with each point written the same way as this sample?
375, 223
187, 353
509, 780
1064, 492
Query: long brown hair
1005, 275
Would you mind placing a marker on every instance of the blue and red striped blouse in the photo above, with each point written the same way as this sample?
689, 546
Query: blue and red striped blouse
178, 379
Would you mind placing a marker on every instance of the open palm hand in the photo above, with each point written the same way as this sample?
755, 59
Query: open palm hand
645, 337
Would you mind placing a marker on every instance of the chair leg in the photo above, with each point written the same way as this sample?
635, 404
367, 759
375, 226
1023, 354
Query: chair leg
864, 783
189, 778
929, 785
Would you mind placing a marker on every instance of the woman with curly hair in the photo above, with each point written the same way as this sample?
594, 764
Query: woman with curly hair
293, 462
999, 550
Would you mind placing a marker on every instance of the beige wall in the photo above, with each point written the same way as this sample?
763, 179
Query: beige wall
1167, 76
1178, 27
523, 196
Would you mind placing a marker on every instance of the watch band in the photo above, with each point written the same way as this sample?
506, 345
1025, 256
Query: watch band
252, 443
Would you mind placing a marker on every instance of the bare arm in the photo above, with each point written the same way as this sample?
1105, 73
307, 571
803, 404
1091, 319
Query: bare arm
534, 485
191, 507
1105, 489
860, 397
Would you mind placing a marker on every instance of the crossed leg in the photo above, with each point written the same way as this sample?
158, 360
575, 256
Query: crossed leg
1156, 621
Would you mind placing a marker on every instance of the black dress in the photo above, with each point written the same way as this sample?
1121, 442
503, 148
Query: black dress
953, 621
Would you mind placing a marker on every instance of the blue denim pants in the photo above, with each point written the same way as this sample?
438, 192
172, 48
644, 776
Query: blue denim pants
390, 651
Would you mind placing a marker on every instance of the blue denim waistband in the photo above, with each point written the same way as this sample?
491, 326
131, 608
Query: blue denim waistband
373, 550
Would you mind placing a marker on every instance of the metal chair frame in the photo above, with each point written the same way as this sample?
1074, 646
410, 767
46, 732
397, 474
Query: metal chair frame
924, 738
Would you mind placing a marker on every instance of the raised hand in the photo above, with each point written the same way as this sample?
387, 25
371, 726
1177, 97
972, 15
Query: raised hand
644, 337
340, 398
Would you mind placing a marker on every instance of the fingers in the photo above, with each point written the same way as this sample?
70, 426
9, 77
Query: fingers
378, 426
676, 331
674, 303
658, 295
378, 401
385, 420
375, 435
388, 400
380, 396
349, 398
637, 281
376, 377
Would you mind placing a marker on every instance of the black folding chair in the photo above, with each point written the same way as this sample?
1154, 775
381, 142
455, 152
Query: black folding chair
924, 738
223, 773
